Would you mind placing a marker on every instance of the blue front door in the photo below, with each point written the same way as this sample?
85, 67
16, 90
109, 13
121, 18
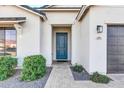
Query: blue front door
61, 46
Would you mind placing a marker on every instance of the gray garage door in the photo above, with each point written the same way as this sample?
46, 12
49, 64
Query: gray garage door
115, 50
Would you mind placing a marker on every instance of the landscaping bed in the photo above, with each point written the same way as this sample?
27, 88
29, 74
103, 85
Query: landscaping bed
80, 76
16, 82
79, 73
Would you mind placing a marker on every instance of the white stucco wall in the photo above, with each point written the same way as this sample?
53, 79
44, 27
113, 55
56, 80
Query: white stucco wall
102, 15
46, 42
85, 42
61, 17
58, 19
29, 41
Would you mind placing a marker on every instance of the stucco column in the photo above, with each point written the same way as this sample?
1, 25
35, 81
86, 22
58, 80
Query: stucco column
19, 55
46, 43
75, 44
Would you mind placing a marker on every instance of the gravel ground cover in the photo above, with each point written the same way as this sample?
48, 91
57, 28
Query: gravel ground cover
15, 82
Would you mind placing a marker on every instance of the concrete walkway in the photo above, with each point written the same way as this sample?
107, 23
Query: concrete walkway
61, 77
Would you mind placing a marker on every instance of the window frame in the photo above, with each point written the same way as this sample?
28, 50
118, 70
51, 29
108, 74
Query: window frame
4, 30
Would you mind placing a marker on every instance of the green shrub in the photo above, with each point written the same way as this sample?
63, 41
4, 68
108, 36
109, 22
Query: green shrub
34, 67
98, 78
7, 67
78, 68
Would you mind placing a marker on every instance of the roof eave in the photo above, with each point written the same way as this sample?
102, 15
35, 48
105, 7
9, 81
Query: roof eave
42, 16
82, 12
58, 10
12, 22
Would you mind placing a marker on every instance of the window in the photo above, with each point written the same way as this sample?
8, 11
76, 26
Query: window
7, 41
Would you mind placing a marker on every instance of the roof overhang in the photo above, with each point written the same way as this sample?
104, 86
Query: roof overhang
42, 16
12, 20
59, 10
82, 12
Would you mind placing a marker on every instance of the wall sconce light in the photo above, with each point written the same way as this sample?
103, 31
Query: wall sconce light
99, 28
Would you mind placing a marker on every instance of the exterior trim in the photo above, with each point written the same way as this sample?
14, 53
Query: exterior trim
59, 10
54, 8
69, 50
12, 20
82, 12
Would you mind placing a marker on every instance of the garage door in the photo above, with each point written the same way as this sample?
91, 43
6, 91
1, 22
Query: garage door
115, 49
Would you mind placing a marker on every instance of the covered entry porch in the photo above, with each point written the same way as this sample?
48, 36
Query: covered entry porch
70, 34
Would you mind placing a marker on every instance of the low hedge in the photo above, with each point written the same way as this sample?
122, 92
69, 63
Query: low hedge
78, 68
98, 78
34, 67
7, 67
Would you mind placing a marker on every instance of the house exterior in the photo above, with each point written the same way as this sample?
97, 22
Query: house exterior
102, 52
88, 35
